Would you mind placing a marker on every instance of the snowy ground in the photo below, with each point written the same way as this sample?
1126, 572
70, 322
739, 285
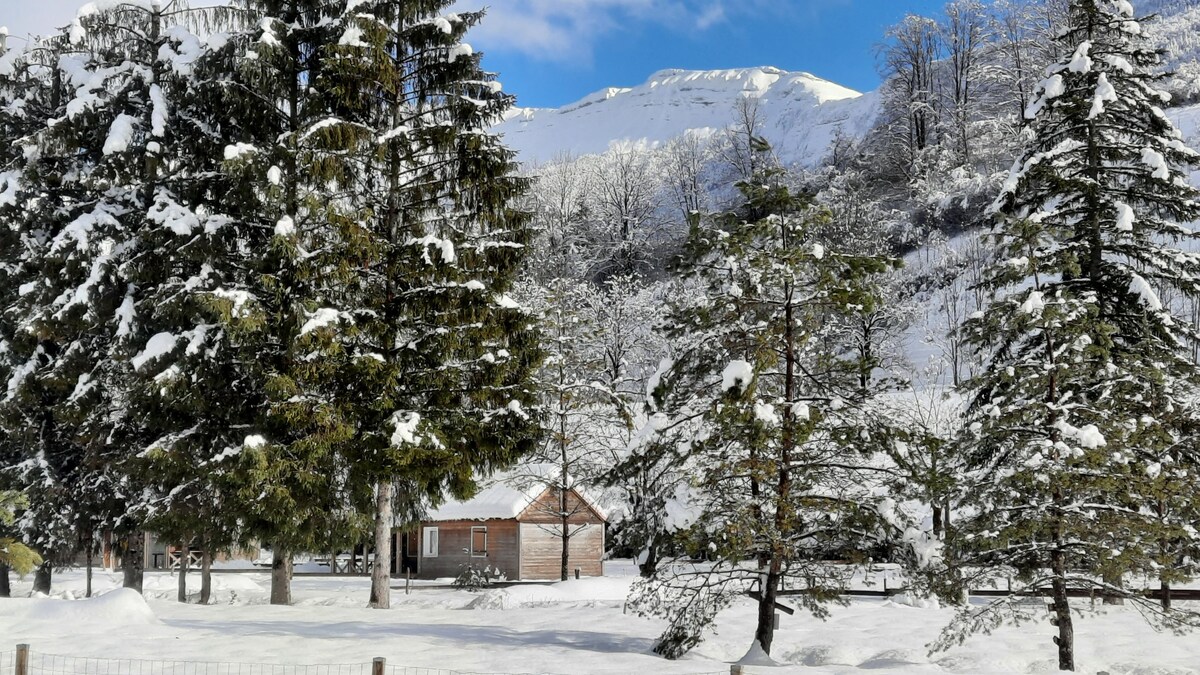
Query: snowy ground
576, 627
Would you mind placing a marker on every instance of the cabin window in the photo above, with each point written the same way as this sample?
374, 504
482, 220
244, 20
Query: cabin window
479, 542
431, 542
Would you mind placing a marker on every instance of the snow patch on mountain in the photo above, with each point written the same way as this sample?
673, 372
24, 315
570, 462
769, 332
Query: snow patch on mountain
800, 113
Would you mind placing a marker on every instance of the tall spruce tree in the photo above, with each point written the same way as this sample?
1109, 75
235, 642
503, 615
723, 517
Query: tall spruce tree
1083, 417
16, 81
773, 403
191, 279
289, 485
432, 361
44, 458
103, 157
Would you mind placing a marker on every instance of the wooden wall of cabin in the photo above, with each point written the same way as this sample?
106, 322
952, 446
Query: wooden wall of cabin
454, 541
541, 551
541, 538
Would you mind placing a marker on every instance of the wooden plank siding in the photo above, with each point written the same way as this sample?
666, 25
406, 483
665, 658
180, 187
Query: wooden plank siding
454, 541
541, 551
545, 509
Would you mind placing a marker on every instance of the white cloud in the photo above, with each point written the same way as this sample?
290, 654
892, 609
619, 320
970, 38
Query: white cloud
568, 30
565, 31
710, 16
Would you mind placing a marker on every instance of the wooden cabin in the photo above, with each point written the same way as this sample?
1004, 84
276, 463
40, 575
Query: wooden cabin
515, 533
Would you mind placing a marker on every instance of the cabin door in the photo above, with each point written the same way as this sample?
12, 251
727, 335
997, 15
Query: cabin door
408, 552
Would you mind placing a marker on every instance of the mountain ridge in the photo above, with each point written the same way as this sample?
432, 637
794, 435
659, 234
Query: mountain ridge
801, 113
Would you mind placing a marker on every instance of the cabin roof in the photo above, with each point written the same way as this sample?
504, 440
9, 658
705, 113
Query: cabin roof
506, 497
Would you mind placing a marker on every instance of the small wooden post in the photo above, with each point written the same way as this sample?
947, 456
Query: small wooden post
377, 665
22, 667
577, 573
885, 585
407, 581
737, 669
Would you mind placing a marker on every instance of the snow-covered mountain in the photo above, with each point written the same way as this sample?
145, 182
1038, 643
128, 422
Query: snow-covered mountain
800, 113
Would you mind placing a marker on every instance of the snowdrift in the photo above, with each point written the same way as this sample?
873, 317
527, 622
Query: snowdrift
119, 607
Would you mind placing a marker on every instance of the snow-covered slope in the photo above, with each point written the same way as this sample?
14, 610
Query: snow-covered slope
800, 113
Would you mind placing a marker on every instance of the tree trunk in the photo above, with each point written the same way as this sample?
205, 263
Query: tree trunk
5, 584
1166, 594
937, 522
1062, 612
181, 591
205, 572
381, 571
42, 577
764, 634
566, 545
132, 561
281, 576
90, 554
647, 567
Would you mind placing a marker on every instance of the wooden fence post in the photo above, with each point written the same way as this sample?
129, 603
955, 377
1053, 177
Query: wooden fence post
377, 665
737, 669
22, 667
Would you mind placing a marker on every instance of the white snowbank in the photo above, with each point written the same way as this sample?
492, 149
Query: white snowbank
119, 607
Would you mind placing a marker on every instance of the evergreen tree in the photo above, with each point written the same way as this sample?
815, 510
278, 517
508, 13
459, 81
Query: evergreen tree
431, 361
196, 403
104, 156
43, 458
777, 436
1083, 414
291, 489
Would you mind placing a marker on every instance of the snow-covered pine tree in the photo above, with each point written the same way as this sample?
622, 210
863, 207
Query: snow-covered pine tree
433, 359
1086, 401
14, 78
195, 402
139, 66
102, 155
44, 459
776, 457
290, 489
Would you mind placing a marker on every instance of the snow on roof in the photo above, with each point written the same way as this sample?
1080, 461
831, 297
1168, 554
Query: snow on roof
507, 496
496, 501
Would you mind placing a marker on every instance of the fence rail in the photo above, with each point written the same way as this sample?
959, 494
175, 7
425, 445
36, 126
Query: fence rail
24, 661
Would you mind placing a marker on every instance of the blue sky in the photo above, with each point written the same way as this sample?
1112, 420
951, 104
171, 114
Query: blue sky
553, 52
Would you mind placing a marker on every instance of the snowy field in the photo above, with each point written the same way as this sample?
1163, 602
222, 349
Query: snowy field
574, 627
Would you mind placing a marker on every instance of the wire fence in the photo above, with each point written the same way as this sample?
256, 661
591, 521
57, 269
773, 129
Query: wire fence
31, 662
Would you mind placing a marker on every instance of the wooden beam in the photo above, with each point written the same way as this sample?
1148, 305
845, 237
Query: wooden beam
783, 608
